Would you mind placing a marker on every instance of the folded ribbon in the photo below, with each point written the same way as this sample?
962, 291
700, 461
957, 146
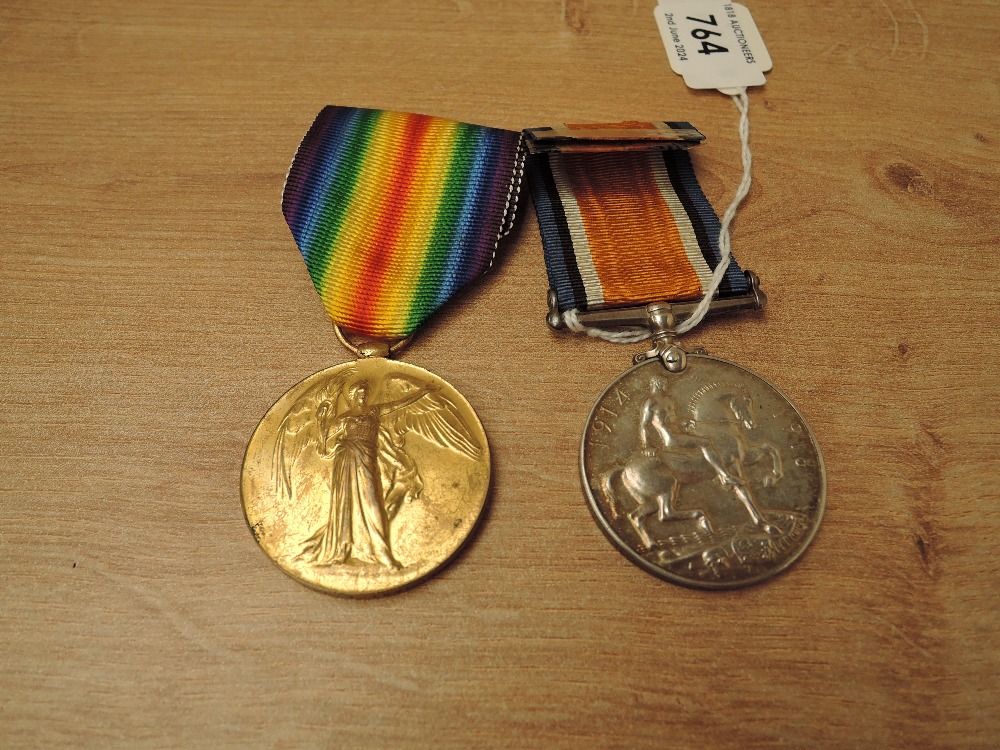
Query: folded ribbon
394, 213
623, 219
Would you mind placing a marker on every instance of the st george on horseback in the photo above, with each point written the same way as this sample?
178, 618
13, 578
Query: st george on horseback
712, 441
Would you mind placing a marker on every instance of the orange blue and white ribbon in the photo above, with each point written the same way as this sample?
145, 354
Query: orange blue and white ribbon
395, 212
626, 226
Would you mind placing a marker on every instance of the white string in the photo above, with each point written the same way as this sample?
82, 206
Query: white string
630, 335
725, 251
623, 335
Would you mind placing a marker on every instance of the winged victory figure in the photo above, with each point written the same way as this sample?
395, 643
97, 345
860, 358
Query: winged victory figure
363, 438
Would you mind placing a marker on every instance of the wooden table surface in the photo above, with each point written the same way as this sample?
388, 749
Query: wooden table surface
153, 305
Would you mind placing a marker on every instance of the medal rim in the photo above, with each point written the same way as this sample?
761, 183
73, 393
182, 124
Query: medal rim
473, 529
634, 557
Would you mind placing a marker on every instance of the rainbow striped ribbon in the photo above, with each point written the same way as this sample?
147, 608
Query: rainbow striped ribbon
394, 212
624, 221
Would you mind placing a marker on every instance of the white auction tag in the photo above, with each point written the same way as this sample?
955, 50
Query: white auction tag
714, 45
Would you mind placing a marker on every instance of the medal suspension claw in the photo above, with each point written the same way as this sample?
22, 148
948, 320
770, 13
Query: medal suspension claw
663, 325
369, 348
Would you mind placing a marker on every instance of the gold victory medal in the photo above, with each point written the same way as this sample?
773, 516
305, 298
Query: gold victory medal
366, 477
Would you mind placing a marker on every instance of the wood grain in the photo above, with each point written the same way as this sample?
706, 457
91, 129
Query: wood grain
153, 305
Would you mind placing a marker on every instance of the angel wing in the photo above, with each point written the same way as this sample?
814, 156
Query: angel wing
301, 428
433, 416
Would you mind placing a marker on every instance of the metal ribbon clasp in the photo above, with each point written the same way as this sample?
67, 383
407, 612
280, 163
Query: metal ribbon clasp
638, 316
662, 319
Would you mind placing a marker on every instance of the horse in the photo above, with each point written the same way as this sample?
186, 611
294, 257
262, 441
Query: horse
654, 484
714, 440
727, 421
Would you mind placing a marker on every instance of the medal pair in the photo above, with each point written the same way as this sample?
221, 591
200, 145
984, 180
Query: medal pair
366, 477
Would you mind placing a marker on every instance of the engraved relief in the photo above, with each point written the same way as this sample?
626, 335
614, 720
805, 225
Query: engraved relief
357, 427
713, 440
709, 479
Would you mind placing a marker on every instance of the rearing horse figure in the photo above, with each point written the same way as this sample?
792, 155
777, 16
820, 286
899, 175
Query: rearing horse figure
726, 419
675, 453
